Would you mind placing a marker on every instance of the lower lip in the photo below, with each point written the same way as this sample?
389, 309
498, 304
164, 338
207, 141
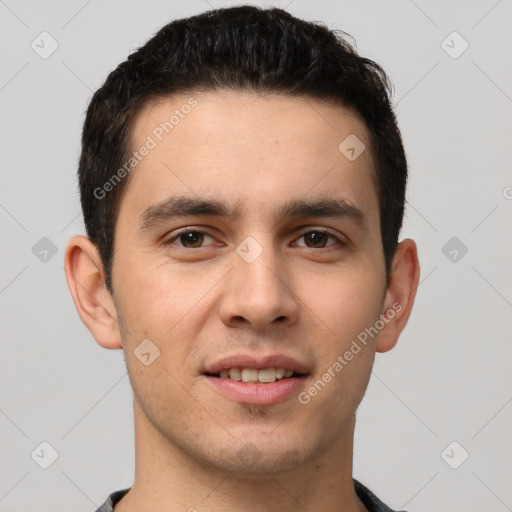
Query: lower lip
254, 393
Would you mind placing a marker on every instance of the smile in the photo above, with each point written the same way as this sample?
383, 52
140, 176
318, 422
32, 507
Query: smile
265, 375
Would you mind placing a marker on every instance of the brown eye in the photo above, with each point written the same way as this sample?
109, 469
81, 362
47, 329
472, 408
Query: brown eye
317, 239
191, 239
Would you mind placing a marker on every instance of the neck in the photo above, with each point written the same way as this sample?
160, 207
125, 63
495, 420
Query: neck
168, 480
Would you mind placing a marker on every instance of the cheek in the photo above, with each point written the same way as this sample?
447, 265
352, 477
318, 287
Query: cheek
348, 305
344, 302
167, 307
156, 296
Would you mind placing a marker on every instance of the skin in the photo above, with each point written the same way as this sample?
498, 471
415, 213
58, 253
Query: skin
308, 299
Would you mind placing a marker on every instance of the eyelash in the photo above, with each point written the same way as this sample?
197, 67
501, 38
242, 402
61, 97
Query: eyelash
304, 233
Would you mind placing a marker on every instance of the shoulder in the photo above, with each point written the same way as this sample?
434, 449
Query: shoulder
112, 500
369, 500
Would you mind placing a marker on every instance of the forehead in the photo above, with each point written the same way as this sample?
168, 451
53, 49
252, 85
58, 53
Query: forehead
250, 149
220, 117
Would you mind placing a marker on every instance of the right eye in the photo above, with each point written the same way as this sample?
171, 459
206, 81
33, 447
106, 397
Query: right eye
189, 239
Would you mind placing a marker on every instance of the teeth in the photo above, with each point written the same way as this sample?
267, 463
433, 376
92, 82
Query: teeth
280, 373
250, 375
266, 375
235, 374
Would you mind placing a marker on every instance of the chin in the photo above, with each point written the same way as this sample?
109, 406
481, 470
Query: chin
258, 451
256, 461
248, 449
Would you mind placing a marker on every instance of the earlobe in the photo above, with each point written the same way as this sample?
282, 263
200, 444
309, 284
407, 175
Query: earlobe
86, 282
400, 294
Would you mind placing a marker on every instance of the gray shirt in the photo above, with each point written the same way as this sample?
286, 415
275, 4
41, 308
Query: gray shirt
369, 500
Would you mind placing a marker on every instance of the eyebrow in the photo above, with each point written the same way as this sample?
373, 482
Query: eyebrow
183, 206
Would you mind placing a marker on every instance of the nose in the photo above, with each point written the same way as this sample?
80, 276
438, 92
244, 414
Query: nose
259, 293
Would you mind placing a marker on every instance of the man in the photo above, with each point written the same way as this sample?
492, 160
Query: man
243, 182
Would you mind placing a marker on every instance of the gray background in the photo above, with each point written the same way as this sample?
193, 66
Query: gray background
449, 377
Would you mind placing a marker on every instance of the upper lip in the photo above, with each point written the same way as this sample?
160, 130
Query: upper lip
258, 362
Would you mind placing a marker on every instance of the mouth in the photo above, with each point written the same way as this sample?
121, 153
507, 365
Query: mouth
261, 376
257, 381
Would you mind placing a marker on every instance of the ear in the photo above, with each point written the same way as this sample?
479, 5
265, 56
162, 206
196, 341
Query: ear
86, 282
400, 294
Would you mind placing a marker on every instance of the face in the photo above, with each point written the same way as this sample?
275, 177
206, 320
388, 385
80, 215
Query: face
247, 240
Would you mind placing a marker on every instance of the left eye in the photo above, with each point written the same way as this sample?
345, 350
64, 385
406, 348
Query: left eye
318, 238
190, 239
